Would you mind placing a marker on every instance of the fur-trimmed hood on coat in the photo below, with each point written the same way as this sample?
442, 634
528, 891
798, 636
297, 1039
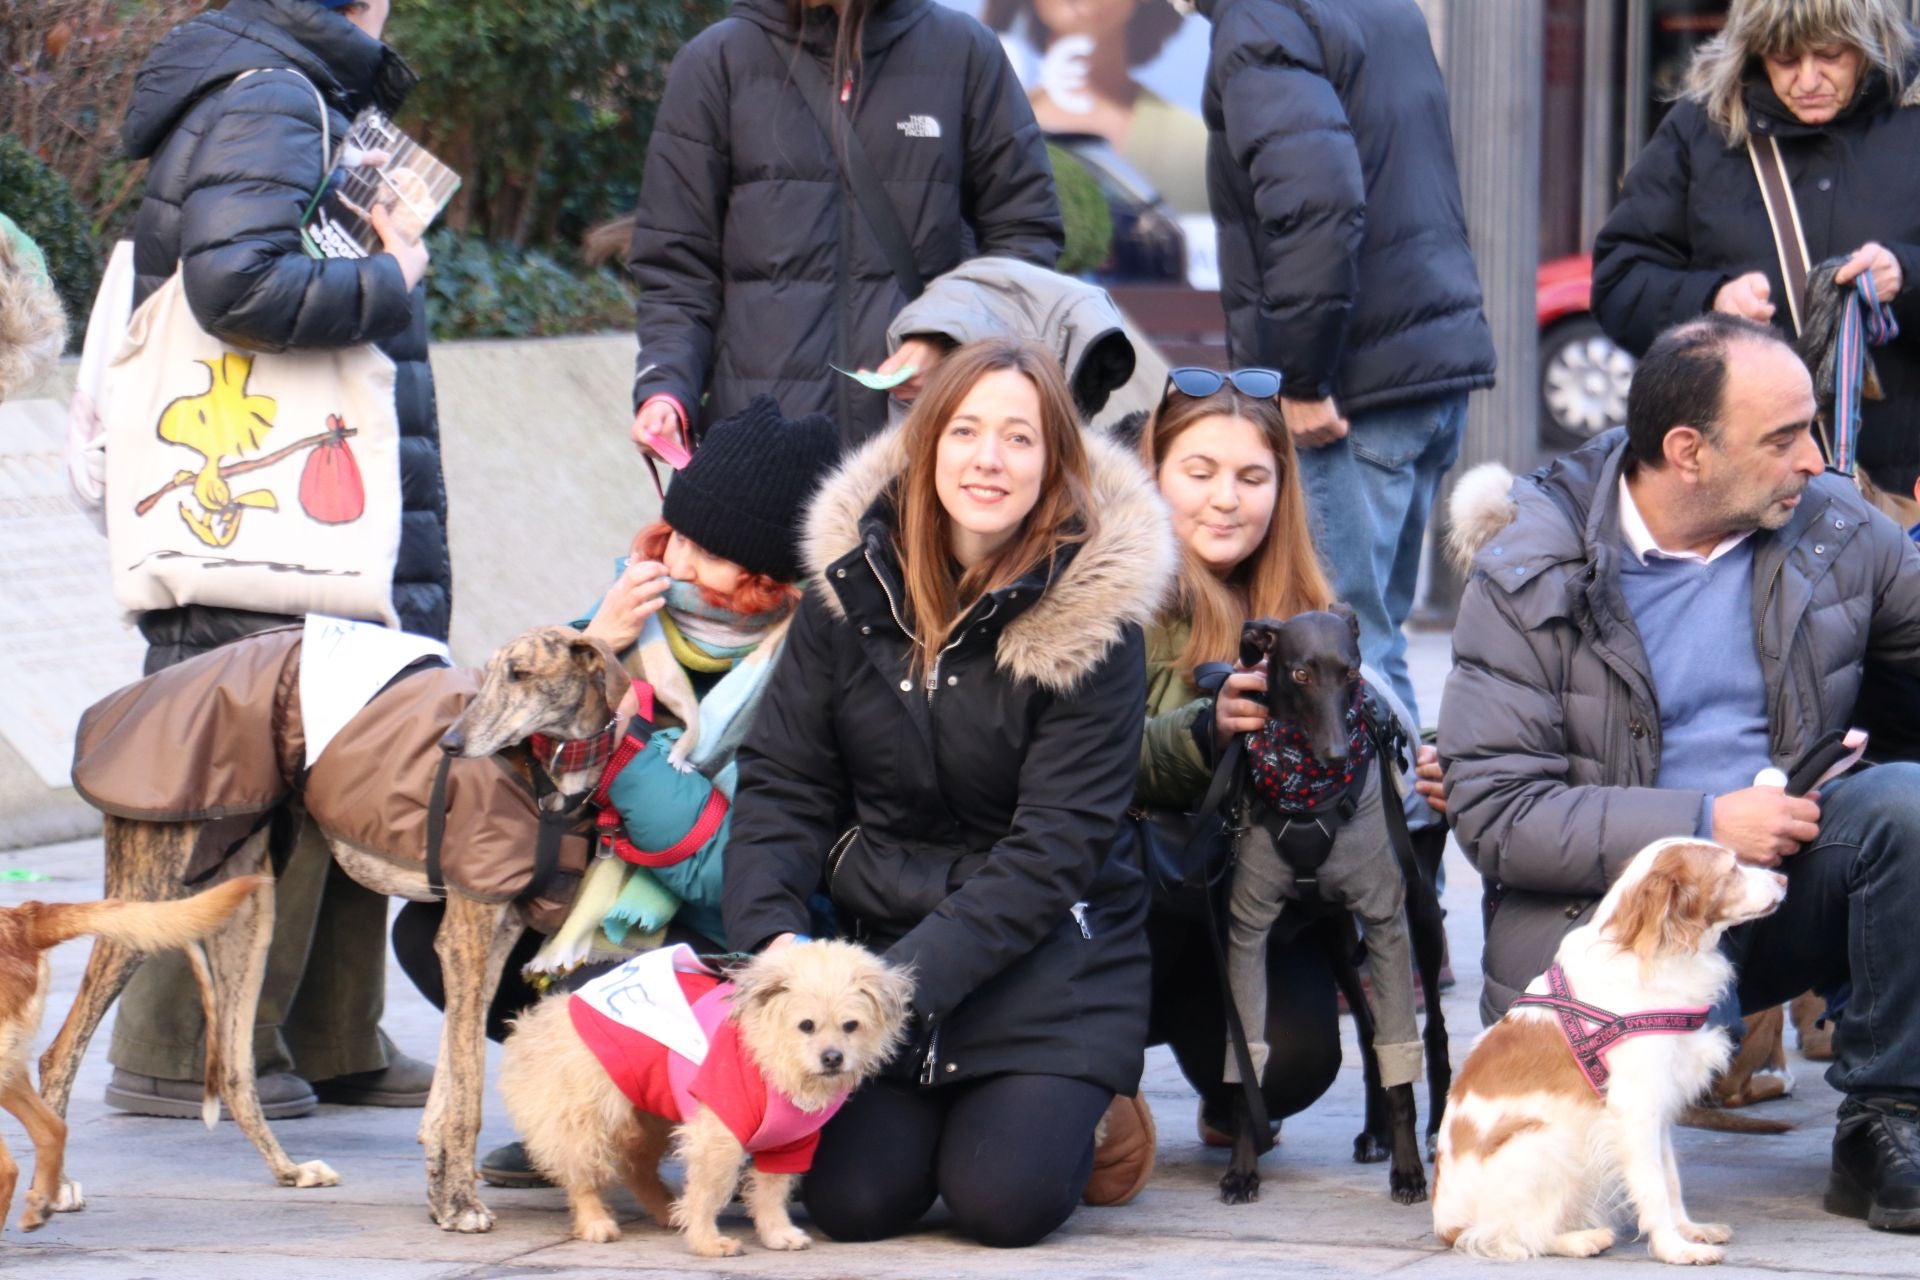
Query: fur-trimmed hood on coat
1121, 574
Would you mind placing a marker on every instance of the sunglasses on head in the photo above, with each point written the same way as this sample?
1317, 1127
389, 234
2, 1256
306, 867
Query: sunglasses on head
1195, 382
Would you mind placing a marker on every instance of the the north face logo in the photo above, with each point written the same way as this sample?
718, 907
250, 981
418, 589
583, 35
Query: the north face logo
919, 127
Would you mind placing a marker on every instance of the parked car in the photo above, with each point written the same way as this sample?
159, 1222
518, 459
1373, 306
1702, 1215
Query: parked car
1584, 375
1148, 245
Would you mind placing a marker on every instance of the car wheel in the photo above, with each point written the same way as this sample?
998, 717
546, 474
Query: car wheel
1584, 377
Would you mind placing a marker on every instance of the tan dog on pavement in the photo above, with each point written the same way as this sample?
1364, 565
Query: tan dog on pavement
26, 933
814, 1020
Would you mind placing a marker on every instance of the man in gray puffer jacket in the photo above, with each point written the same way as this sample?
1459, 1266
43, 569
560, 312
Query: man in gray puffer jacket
1670, 610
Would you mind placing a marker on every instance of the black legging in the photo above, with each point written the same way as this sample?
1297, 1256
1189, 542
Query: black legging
416, 923
1010, 1155
1189, 1016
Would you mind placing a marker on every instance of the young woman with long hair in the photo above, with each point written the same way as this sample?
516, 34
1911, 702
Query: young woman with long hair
1224, 461
949, 744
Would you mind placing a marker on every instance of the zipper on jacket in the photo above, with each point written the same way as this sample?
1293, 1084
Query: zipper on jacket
839, 852
866, 553
927, 1063
933, 674
1776, 689
1079, 912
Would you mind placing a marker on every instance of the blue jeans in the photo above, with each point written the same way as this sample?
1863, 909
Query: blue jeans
1853, 898
1370, 495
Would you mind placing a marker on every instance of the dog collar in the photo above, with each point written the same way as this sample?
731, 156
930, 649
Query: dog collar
1608, 1029
562, 756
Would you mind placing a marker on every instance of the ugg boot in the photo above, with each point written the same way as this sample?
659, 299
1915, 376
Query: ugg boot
1123, 1152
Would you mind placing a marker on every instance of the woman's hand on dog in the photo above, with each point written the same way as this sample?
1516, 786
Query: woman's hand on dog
1241, 706
637, 594
1427, 776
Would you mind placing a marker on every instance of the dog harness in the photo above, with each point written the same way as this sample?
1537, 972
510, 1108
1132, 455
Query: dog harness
613, 832
679, 1062
1608, 1029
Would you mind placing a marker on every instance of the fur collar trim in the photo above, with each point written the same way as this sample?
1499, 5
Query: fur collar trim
1120, 576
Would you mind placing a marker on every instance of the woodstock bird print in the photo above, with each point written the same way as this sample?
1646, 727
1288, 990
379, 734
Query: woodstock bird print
225, 421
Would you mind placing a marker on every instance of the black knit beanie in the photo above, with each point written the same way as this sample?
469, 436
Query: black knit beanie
743, 495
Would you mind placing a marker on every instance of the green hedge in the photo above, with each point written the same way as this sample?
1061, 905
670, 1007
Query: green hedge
41, 202
479, 289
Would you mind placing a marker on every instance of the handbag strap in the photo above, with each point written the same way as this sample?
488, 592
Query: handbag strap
868, 192
1789, 241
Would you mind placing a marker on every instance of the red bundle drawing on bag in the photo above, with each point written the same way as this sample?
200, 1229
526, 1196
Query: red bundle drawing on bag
330, 488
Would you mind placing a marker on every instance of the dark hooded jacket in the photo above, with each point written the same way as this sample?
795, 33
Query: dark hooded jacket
1690, 219
234, 164
971, 825
1551, 735
756, 266
1343, 245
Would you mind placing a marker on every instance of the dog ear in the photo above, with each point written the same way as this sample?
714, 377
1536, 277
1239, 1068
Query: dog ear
757, 982
1256, 641
1669, 909
891, 990
597, 658
1344, 611
1636, 925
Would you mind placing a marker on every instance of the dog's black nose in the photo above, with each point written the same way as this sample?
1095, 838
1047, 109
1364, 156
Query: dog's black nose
832, 1059
453, 741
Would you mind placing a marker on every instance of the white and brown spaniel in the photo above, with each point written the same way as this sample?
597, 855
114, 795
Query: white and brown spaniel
1570, 1099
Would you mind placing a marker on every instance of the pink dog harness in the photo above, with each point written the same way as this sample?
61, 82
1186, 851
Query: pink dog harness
1609, 1029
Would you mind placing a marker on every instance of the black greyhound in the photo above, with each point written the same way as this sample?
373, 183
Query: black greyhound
1313, 665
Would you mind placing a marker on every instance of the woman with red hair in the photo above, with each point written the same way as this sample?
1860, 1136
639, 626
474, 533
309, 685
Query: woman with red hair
698, 612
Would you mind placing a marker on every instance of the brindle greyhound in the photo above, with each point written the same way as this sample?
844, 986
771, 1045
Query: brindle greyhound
551, 681
1313, 660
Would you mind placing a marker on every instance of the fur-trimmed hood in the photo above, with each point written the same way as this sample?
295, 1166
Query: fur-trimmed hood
1120, 575
1480, 506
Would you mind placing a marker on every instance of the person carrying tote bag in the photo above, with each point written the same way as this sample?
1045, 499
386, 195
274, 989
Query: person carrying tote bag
261, 480
234, 162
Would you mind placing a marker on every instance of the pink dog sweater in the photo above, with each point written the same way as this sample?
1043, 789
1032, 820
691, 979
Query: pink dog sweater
659, 1081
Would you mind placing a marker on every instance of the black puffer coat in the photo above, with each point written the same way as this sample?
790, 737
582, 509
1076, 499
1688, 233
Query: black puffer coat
756, 267
991, 852
234, 165
1690, 218
1343, 246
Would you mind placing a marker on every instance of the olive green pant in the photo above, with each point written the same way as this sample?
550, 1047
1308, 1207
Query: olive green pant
324, 991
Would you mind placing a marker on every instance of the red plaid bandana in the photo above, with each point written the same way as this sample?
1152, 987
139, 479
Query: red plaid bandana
562, 756
1285, 774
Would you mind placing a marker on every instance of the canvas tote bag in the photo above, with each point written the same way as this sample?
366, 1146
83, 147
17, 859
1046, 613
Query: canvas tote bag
252, 480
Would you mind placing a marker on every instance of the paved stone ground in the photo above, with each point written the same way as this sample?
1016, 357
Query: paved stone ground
167, 1198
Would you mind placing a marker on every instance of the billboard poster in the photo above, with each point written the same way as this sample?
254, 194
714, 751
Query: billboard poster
1129, 71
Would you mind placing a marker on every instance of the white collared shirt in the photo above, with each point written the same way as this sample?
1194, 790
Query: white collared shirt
1633, 527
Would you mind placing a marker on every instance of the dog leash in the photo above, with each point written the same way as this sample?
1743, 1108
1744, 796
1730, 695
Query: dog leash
1226, 777
1864, 322
612, 830
1589, 1047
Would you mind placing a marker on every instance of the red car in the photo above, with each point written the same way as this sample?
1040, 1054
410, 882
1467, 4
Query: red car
1583, 373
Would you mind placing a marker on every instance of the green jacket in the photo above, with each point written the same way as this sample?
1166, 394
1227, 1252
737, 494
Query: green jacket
1173, 772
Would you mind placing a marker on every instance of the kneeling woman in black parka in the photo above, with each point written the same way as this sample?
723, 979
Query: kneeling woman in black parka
949, 743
